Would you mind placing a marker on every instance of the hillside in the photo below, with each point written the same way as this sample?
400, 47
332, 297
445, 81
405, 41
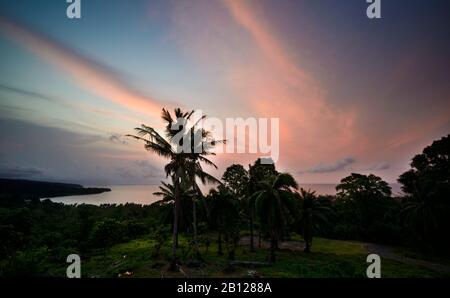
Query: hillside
40, 189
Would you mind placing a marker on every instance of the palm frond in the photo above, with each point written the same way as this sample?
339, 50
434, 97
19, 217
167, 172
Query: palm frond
165, 115
206, 161
285, 180
158, 149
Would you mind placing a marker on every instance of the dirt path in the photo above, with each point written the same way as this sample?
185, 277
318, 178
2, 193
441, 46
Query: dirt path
389, 253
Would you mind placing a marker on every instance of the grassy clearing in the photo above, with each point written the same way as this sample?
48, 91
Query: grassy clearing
330, 258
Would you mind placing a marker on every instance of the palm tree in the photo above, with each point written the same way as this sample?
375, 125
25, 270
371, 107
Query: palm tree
201, 143
312, 212
183, 164
195, 171
167, 194
306, 215
257, 172
273, 203
162, 147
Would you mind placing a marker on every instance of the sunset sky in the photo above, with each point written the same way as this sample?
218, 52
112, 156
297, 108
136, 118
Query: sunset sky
352, 94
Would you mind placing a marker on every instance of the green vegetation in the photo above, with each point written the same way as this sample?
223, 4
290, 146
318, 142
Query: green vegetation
256, 222
273, 203
330, 258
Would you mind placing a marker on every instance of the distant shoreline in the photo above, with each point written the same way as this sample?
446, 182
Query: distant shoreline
30, 189
67, 193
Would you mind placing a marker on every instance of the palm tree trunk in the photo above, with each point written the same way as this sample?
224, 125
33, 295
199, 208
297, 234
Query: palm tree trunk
232, 253
307, 246
259, 238
180, 219
179, 216
219, 244
194, 211
252, 245
273, 246
308, 230
173, 265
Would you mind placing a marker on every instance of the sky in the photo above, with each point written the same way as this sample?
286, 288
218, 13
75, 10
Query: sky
352, 94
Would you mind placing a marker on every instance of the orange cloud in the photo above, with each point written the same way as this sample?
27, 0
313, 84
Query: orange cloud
276, 87
89, 74
266, 41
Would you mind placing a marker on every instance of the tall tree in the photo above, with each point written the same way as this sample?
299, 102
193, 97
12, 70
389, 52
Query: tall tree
257, 172
224, 217
312, 213
357, 184
367, 196
201, 145
181, 147
426, 205
273, 204
167, 194
236, 179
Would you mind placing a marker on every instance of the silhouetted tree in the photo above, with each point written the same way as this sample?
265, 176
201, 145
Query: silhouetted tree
224, 217
167, 194
426, 204
257, 172
312, 213
273, 204
236, 179
367, 198
181, 148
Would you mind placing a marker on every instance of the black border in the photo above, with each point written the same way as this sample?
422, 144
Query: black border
155, 287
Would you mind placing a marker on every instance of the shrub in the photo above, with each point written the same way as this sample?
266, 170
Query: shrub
106, 233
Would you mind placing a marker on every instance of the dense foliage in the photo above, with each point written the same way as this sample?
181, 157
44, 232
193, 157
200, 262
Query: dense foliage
35, 234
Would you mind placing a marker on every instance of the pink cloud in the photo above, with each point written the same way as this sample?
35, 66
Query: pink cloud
275, 86
89, 75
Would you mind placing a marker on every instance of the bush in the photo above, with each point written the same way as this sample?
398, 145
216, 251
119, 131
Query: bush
25, 264
106, 233
10, 240
160, 235
135, 229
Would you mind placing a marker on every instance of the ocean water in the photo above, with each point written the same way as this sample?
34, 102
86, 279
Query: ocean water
143, 194
119, 194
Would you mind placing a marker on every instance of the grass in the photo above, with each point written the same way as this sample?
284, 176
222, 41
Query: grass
329, 258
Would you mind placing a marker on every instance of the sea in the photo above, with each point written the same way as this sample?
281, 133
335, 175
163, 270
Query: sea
143, 194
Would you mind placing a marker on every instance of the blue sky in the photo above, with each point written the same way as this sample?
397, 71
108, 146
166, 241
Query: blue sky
352, 94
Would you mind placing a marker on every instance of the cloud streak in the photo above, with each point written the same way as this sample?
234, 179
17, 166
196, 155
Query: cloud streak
275, 86
89, 74
379, 166
70, 104
266, 42
338, 165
